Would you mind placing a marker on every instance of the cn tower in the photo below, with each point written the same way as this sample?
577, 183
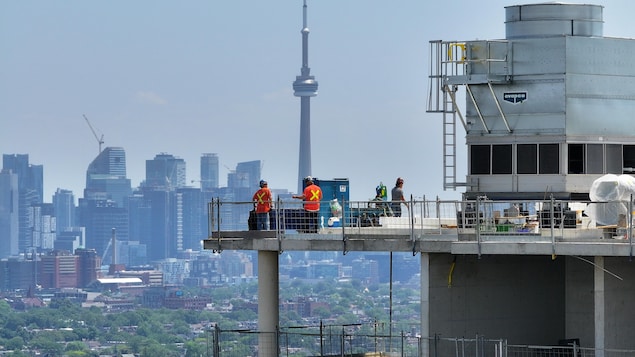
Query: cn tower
305, 86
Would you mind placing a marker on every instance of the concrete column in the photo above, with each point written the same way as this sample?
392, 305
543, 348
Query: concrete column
598, 301
425, 304
268, 310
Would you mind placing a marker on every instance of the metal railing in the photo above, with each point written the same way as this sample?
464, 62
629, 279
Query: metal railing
323, 340
366, 340
481, 220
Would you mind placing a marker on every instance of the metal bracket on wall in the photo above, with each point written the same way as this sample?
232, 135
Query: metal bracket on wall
478, 110
498, 105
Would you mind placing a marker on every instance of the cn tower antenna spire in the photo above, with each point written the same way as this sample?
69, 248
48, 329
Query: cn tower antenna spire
305, 86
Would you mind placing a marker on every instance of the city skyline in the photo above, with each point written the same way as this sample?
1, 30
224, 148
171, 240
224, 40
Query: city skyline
102, 171
162, 214
205, 77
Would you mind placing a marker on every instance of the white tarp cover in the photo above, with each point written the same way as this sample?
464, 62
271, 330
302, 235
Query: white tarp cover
612, 192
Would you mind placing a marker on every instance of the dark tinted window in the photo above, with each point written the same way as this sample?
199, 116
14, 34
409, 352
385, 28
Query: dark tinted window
501, 159
549, 159
480, 159
576, 158
613, 159
629, 156
594, 158
526, 158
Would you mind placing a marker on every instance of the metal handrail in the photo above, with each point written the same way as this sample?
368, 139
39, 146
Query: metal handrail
483, 220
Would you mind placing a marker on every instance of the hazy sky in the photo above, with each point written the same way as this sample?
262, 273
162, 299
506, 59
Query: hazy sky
210, 76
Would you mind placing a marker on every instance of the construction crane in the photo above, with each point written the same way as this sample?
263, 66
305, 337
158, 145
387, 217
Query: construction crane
100, 140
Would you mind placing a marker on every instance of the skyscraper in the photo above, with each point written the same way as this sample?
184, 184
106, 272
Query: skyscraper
106, 177
165, 170
64, 205
191, 218
305, 86
30, 192
160, 203
104, 205
249, 171
30, 177
9, 222
42, 225
100, 217
160, 240
209, 172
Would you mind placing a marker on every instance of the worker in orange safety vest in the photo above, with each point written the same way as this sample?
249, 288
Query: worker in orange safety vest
262, 200
312, 195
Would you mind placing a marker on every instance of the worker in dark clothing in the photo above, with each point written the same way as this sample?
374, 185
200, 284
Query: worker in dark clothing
397, 198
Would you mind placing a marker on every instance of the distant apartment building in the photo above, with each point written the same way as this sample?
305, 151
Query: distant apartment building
204, 270
132, 253
18, 273
303, 306
174, 270
175, 299
148, 276
43, 226
366, 271
71, 239
324, 270
54, 270
89, 264
59, 269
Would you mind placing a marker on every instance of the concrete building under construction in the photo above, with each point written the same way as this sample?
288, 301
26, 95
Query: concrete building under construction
547, 111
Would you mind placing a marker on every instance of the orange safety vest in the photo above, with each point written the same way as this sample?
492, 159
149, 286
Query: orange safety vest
312, 197
262, 198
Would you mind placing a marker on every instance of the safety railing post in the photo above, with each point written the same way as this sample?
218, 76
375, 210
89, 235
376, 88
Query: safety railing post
552, 219
278, 339
412, 223
629, 229
436, 345
216, 341
478, 224
343, 224
343, 220
321, 338
278, 224
214, 220
210, 218
438, 212
343, 343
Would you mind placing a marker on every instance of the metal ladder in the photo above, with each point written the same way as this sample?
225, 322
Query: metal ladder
446, 58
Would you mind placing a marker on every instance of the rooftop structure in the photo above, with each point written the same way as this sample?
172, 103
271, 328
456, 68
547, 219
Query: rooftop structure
547, 109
